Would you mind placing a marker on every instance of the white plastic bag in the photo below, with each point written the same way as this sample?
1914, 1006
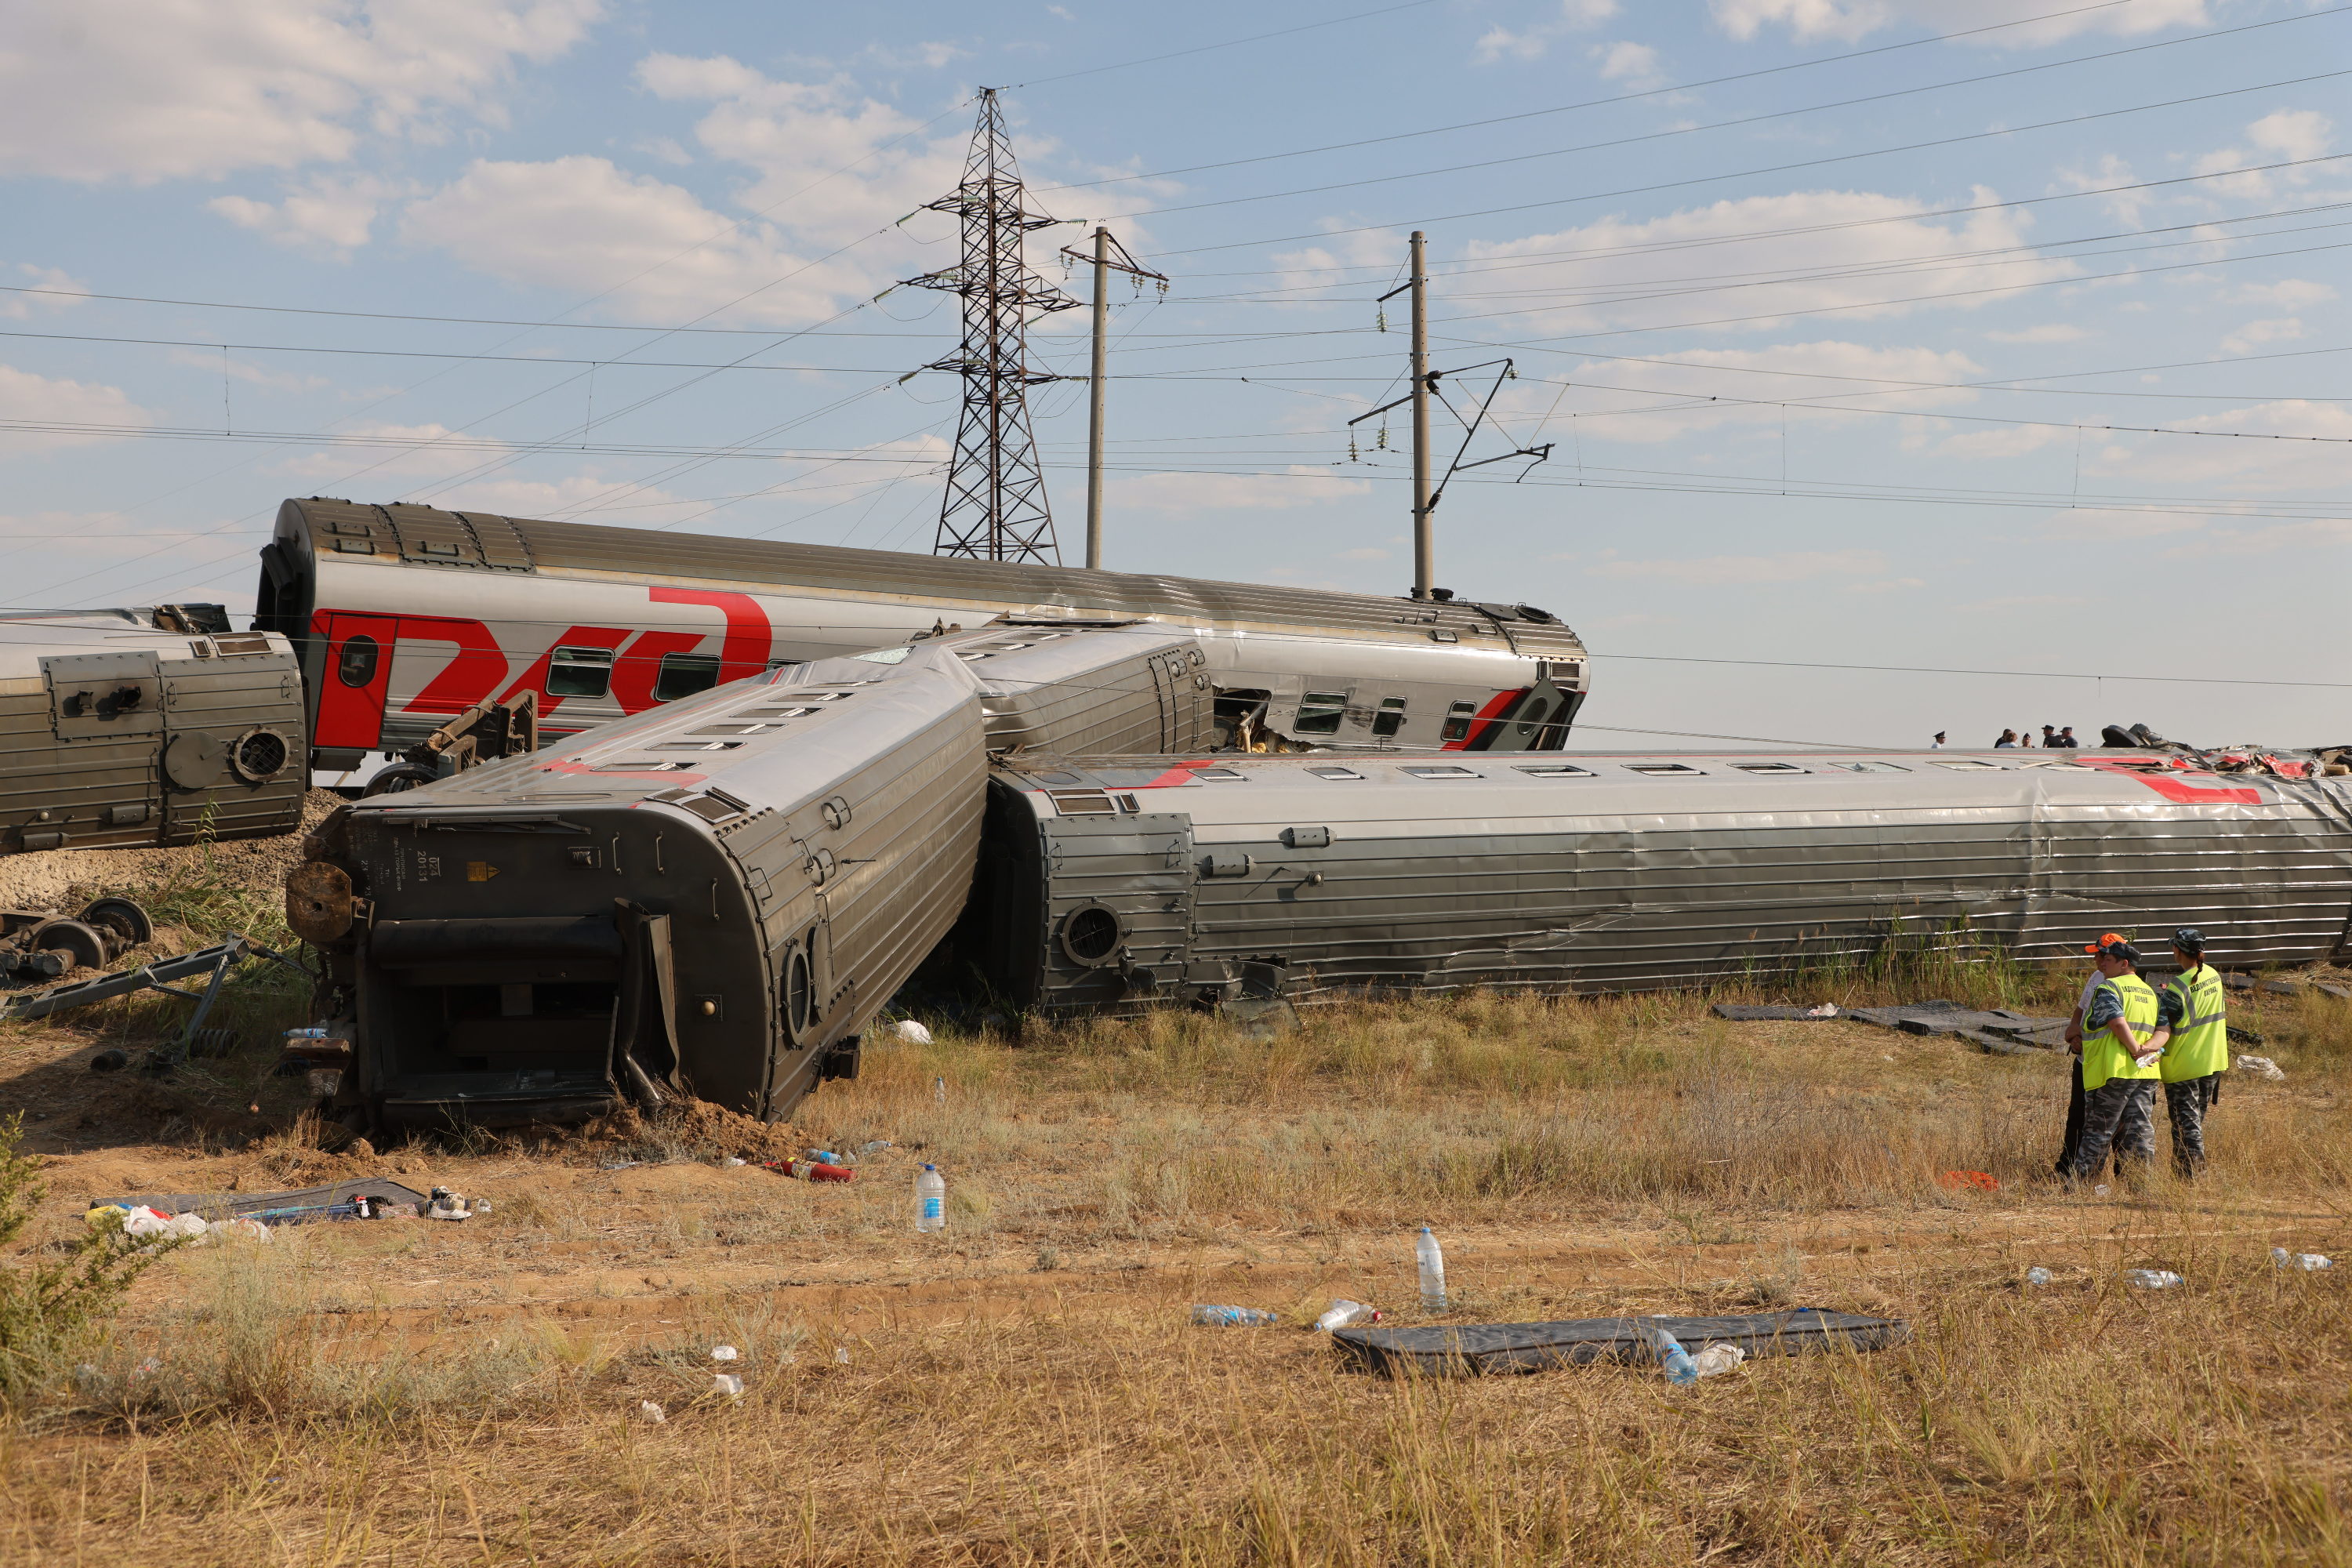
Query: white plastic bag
1717, 1359
911, 1032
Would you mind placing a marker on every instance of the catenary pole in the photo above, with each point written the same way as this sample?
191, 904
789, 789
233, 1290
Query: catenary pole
1095, 399
1424, 543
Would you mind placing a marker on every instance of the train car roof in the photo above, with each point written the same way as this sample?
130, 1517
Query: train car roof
1407, 789
25, 640
348, 532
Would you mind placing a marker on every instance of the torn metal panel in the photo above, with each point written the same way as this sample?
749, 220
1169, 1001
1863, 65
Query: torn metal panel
1632, 872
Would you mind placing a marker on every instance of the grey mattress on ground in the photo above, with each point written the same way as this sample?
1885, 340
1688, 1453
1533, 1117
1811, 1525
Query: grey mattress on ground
291, 1204
1484, 1347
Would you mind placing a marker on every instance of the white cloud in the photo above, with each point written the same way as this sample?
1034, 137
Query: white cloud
1535, 40
580, 224
1755, 377
1848, 20
2105, 526
2283, 135
2253, 334
2047, 333
1368, 553
2320, 534
20, 307
1636, 65
26, 396
1812, 250
155, 89
1721, 570
2287, 293
328, 215
384, 455
2238, 466
213, 362
1181, 492
2003, 441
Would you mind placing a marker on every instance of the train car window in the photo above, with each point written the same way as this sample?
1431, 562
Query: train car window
360, 656
1335, 773
1557, 770
1083, 803
1769, 768
1457, 721
684, 674
1660, 770
1438, 772
1390, 718
641, 765
1319, 711
1872, 767
1965, 764
580, 672
1218, 774
694, 745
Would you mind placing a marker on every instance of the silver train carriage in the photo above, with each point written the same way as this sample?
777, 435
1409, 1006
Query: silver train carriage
407, 614
710, 899
1115, 881
159, 725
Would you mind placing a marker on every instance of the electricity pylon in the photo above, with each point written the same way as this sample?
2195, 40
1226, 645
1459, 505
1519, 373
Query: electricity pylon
995, 507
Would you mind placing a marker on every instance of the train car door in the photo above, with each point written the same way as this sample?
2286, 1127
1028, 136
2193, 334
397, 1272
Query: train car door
355, 679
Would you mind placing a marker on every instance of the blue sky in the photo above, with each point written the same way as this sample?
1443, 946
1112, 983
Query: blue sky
1874, 332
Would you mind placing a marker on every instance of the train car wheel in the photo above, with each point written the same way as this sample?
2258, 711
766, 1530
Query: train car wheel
400, 776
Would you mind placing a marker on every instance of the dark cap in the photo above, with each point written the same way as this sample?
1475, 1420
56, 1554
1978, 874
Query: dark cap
2189, 939
2123, 952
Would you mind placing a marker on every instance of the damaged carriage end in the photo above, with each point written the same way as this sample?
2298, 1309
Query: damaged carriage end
707, 901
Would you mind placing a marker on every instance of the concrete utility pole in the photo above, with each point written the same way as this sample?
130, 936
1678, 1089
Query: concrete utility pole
1104, 263
1424, 536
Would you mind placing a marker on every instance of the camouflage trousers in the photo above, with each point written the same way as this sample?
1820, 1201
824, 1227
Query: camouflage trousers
2117, 1118
2185, 1104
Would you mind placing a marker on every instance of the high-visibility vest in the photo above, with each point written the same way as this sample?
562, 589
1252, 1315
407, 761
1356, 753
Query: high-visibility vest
2102, 1058
2200, 1041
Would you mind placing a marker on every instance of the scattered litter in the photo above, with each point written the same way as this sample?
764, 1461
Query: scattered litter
481, 1207
1432, 1259
2153, 1279
811, 1170
620, 1164
732, 1161
1717, 1359
1346, 1314
1489, 1348
2037, 1275
876, 1146
236, 1230
2309, 1262
1679, 1368
930, 1199
2260, 1068
1978, 1180
448, 1205
939, 1090
1826, 1010
1231, 1317
2102, 1190
911, 1032
649, 1412
1738, 1014
841, 1355
372, 1197
2341, 993
723, 1353
727, 1385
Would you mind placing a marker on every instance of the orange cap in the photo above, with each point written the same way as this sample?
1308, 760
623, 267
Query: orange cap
2105, 942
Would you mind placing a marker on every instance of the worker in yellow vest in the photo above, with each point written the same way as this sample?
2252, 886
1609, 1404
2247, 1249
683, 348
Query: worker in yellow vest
2193, 1027
2117, 1074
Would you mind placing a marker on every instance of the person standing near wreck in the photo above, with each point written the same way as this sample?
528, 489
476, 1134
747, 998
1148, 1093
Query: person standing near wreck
2194, 1030
2117, 1075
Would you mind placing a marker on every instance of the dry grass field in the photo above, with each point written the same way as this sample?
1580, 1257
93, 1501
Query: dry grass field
1023, 1387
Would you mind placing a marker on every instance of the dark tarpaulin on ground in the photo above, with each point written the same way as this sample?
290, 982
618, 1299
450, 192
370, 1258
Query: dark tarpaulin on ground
291, 1207
1488, 1348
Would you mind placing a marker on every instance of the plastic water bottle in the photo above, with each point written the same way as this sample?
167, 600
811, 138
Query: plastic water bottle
2309, 1262
1432, 1271
939, 1090
2153, 1279
930, 1199
1232, 1317
1346, 1314
2037, 1275
1680, 1369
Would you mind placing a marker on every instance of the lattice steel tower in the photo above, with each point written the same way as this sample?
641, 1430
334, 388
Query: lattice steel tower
995, 508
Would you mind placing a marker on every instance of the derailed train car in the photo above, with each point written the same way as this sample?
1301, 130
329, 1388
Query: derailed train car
711, 898
407, 614
121, 728
1119, 882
